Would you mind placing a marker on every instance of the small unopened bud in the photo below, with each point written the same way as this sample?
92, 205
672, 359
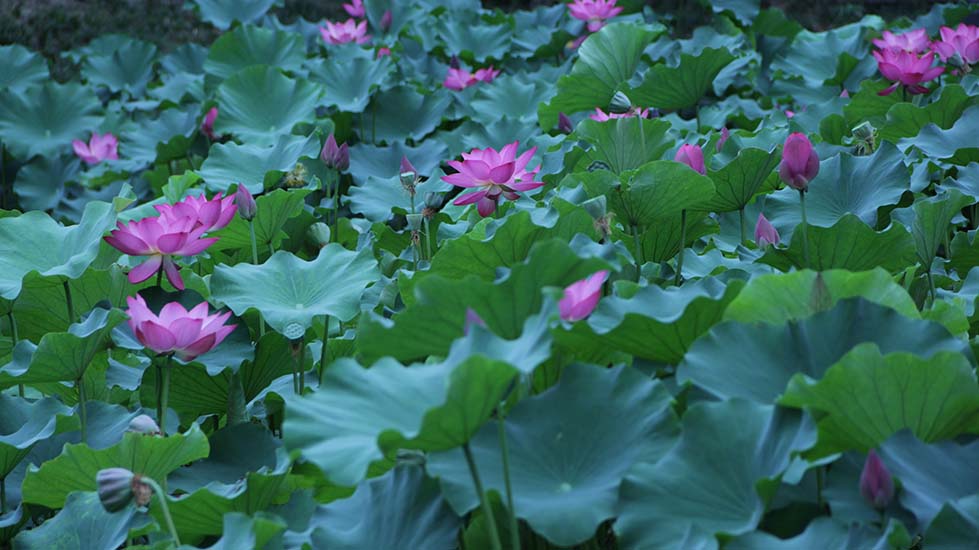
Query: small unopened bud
407, 167
245, 203
335, 156
472, 318
386, 20
620, 104
765, 232
115, 488
454, 62
725, 134
319, 234
876, 484
144, 424
564, 124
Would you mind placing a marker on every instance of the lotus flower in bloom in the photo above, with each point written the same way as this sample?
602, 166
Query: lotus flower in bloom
594, 12
207, 126
915, 41
460, 79
906, 69
581, 297
186, 334
602, 116
692, 156
961, 42
343, 33
765, 232
212, 214
355, 8
494, 173
99, 147
876, 484
335, 156
800, 163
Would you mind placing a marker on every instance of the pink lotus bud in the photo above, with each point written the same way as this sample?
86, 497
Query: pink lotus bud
725, 134
333, 156
386, 20
207, 126
581, 297
800, 163
472, 318
876, 484
245, 203
383, 51
845, 94
765, 232
564, 124
406, 166
692, 156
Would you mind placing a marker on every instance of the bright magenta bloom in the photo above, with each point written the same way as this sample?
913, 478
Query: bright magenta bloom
161, 238
906, 69
495, 174
212, 214
207, 126
595, 12
581, 297
876, 484
692, 156
460, 79
99, 147
186, 334
355, 8
765, 232
602, 116
963, 41
800, 163
343, 33
915, 41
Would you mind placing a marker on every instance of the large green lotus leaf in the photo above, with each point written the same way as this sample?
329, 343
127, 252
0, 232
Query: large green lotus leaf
23, 423
651, 322
849, 244
259, 104
75, 468
741, 178
436, 316
162, 139
508, 96
618, 145
358, 416
710, 481
822, 532
845, 184
956, 525
607, 60
778, 298
40, 185
252, 164
931, 474
249, 45
21, 68
376, 198
235, 451
274, 210
239, 530
905, 120
350, 83
965, 252
867, 396
930, 220
404, 113
682, 86
815, 56
384, 162
868, 105
83, 524
193, 392
744, 10
33, 242
129, 68
294, 291
525, 353
952, 144
44, 119
222, 13
475, 41
568, 450
661, 240
770, 355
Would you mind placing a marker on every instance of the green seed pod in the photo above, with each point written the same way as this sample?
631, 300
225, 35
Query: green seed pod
115, 486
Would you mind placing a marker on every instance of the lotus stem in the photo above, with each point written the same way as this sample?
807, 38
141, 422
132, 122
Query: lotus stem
82, 412
161, 496
251, 231
428, 239
819, 487
3, 495
324, 351
805, 232
165, 395
484, 501
159, 279
931, 285
741, 219
301, 365
638, 247
335, 234
678, 276
642, 137
68, 302
13, 342
514, 527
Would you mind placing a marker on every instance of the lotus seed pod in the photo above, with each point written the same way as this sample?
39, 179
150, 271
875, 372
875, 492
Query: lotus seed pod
620, 104
319, 234
143, 424
115, 487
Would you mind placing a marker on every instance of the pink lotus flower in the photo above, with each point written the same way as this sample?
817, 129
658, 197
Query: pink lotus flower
915, 41
595, 12
581, 297
602, 116
99, 147
800, 163
383, 51
876, 484
460, 79
186, 334
765, 232
211, 215
161, 238
725, 134
906, 69
355, 8
495, 174
692, 156
961, 43
343, 33
207, 126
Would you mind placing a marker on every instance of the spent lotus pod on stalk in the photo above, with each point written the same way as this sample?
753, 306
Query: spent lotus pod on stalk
144, 424
876, 484
335, 156
319, 234
115, 488
692, 156
581, 297
800, 163
247, 208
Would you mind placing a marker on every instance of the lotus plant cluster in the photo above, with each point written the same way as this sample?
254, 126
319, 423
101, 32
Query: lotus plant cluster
908, 59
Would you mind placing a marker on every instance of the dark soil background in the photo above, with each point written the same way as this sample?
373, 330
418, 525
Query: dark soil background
55, 26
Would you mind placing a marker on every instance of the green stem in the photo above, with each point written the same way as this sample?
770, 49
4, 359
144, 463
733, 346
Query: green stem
819, 487
251, 231
3, 495
487, 509
741, 219
161, 496
904, 93
373, 124
638, 247
336, 208
164, 395
159, 279
324, 351
948, 248
82, 412
68, 302
642, 137
301, 366
428, 240
13, 342
805, 232
931, 285
678, 277
514, 527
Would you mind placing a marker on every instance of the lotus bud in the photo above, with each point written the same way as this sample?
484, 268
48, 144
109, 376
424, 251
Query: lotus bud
454, 62
620, 104
335, 156
765, 232
408, 176
564, 124
692, 156
245, 203
386, 20
144, 424
407, 167
800, 163
115, 487
845, 94
581, 297
865, 139
472, 318
319, 234
876, 484
725, 134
